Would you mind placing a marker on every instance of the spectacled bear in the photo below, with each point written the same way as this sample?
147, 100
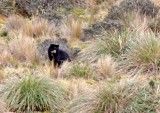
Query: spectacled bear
57, 55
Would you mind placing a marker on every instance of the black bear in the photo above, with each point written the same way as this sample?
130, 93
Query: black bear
57, 55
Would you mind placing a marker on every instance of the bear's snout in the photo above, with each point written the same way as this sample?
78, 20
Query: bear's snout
54, 51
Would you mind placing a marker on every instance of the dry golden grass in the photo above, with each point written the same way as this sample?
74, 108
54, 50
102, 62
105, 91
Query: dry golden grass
53, 71
5, 54
64, 70
106, 66
19, 71
3, 45
157, 2
5, 57
3, 18
92, 11
36, 27
15, 22
135, 21
75, 28
2, 107
24, 48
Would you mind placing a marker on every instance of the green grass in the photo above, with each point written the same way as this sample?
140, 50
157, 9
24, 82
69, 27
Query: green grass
82, 70
33, 93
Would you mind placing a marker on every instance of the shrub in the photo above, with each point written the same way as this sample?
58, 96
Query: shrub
33, 93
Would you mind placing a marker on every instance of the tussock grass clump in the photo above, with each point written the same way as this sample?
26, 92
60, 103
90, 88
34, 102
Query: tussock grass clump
128, 96
72, 29
36, 27
110, 43
135, 21
33, 93
24, 48
106, 66
142, 54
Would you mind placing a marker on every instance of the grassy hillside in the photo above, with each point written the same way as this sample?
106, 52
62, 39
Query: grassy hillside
115, 50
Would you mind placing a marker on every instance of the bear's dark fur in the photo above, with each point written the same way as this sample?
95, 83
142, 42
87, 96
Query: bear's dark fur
57, 55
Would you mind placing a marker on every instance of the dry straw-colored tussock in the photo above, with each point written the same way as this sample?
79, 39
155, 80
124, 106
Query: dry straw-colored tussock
24, 48
64, 70
2, 107
72, 29
157, 2
36, 27
10, 71
5, 54
135, 21
3, 45
106, 67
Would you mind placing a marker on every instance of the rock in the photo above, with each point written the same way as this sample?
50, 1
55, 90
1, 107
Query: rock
43, 48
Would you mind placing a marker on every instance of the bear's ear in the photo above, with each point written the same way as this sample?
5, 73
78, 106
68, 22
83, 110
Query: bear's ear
54, 45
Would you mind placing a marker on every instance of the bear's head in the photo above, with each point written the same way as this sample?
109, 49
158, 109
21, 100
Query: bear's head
53, 51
